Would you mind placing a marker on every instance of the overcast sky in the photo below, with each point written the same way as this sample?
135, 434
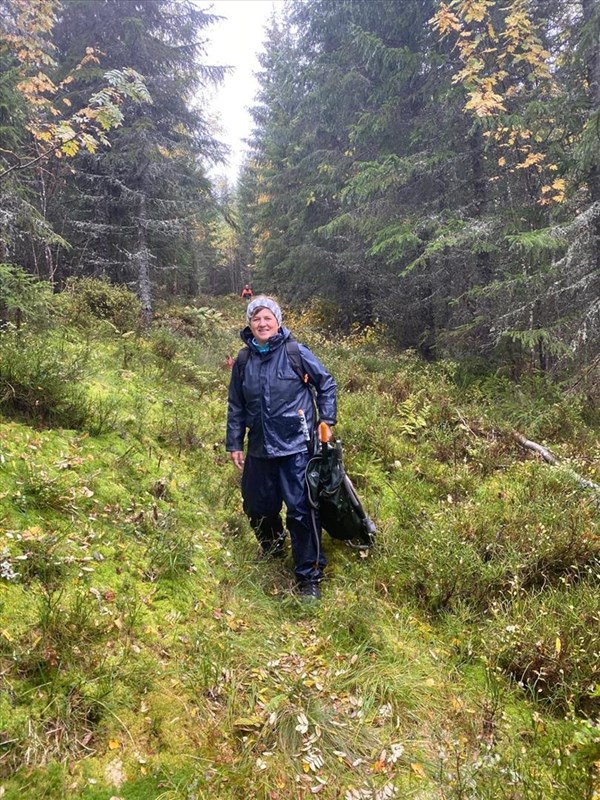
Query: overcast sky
236, 41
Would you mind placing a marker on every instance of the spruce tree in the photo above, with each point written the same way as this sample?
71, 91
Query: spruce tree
132, 211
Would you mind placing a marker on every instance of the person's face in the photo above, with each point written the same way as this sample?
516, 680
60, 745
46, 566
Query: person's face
263, 325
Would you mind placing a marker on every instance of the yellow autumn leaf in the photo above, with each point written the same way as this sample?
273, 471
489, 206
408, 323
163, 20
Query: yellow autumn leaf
484, 103
418, 770
532, 159
247, 723
557, 645
114, 744
70, 148
32, 532
475, 10
445, 20
501, 162
7, 635
457, 704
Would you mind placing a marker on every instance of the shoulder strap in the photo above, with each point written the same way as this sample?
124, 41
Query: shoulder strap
241, 361
293, 350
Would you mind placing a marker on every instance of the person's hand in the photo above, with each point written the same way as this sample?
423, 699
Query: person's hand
237, 456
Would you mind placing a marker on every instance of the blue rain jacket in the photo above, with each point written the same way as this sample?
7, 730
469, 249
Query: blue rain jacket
267, 402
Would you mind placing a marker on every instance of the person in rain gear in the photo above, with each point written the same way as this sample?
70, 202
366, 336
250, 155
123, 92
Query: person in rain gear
266, 394
247, 292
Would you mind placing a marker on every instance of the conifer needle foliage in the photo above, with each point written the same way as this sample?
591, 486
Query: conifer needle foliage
434, 166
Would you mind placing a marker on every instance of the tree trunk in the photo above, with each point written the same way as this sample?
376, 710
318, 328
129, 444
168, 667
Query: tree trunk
192, 283
591, 21
483, 267
143, 257
50, 268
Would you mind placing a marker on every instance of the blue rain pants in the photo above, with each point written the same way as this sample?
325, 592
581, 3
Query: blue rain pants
267, 483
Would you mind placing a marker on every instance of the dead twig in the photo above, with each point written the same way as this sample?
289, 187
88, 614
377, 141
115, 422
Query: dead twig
584, 375
550, 458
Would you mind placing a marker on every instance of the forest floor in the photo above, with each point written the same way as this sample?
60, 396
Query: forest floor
146, 654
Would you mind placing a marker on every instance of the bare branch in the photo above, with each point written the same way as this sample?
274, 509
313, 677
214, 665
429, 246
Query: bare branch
550, 458
35, 160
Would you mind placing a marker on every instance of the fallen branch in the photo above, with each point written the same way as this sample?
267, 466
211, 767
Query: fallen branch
550, 458
538, 448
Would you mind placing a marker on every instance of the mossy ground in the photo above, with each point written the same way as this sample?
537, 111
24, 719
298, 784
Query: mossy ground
144, 653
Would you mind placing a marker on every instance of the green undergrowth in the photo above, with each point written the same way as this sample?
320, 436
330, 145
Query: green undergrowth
145, 653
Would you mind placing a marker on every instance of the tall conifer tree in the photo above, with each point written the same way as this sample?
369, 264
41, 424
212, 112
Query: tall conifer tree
133, 209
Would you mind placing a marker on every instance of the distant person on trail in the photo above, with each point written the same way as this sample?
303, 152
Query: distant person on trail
247, 292
270, 395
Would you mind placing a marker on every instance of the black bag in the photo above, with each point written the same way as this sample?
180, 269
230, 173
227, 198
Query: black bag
330, 491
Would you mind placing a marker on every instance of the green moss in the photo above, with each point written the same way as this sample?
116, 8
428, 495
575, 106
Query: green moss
137, 627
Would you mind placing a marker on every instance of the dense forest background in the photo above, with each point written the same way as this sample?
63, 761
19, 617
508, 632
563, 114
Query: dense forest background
430, 168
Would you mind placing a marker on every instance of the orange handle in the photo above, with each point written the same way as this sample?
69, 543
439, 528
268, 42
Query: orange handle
324, 432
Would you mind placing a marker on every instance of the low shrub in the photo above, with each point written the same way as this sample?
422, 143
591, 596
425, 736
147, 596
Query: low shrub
170, 551
164, 344
38, 489
102, 413
189, 321
64, 635
42, 560
41, 382
536, 406
23, 298
102, 300
525, 529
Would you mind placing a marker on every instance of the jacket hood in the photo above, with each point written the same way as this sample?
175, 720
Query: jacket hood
276, 341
